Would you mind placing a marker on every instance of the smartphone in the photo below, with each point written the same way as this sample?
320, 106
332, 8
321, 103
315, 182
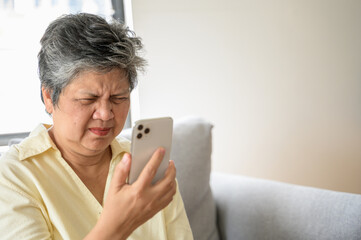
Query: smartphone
147, 136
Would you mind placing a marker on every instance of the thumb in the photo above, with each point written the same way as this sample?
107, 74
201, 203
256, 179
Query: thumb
121, 173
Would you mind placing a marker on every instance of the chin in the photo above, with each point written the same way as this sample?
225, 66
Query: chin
98, 146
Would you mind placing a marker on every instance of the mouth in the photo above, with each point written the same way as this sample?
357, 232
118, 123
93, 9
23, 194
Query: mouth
100, 131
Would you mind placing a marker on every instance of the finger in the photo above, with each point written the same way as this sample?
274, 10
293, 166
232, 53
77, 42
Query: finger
149, 171
169, 175
121, 173
167, 197
166, 184
171, 170
161, 197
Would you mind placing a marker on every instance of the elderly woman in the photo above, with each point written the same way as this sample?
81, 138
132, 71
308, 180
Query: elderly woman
68, 180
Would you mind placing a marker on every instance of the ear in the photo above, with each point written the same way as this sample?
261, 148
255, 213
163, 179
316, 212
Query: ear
47, 100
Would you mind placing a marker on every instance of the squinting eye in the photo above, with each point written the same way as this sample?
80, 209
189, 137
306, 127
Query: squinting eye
118, 100
87, 100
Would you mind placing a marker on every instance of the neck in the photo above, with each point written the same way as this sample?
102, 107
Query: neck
90, 165
79, 161
93, 172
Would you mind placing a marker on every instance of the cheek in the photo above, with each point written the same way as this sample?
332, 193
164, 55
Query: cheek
80, 121
73, 119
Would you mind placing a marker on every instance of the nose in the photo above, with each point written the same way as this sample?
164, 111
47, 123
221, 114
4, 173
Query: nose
103, 111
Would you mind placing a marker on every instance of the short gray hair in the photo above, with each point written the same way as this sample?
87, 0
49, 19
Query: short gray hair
77, 42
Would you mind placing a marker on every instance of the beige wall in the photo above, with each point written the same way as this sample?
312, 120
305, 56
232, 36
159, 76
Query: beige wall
280, 81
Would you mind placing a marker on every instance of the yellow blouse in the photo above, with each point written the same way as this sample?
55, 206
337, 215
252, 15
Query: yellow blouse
41, 197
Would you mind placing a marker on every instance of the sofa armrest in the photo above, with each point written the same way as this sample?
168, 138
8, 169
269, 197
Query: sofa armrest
249, 208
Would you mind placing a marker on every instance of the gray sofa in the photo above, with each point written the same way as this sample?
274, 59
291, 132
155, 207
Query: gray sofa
224, 206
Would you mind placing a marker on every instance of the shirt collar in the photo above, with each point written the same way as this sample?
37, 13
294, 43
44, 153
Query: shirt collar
119, 146
38, 142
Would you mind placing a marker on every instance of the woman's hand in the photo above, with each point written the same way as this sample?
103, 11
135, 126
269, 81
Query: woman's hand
129, 206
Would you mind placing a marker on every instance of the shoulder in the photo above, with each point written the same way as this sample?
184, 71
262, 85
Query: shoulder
124, 139
123, 142
10, 159
19, 166
17, 176
36, 143
11, 153
20, 199
120, 145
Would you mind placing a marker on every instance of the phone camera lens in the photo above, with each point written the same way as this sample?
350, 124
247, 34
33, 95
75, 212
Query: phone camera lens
139, 136
147, 130
140, 127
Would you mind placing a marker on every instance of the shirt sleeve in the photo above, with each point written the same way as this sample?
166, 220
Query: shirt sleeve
177, 223
21, 215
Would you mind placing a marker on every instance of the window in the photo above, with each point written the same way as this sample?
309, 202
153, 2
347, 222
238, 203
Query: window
22, 23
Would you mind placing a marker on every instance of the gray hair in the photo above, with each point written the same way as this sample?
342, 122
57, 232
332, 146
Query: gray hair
75, 43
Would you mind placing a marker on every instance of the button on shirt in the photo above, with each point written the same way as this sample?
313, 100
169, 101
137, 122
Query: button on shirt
41, 197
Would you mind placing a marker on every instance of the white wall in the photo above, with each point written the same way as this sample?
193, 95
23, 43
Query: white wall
280, 80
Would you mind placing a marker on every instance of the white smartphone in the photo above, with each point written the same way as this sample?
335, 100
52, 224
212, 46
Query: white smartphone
147, 136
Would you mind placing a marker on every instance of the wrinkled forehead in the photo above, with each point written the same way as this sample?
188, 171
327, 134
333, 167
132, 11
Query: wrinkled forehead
113, 80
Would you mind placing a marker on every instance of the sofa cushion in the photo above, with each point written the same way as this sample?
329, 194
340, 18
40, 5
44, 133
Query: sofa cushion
191, 152
250, 208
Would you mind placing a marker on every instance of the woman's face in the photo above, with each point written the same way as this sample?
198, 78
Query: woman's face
91, 112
